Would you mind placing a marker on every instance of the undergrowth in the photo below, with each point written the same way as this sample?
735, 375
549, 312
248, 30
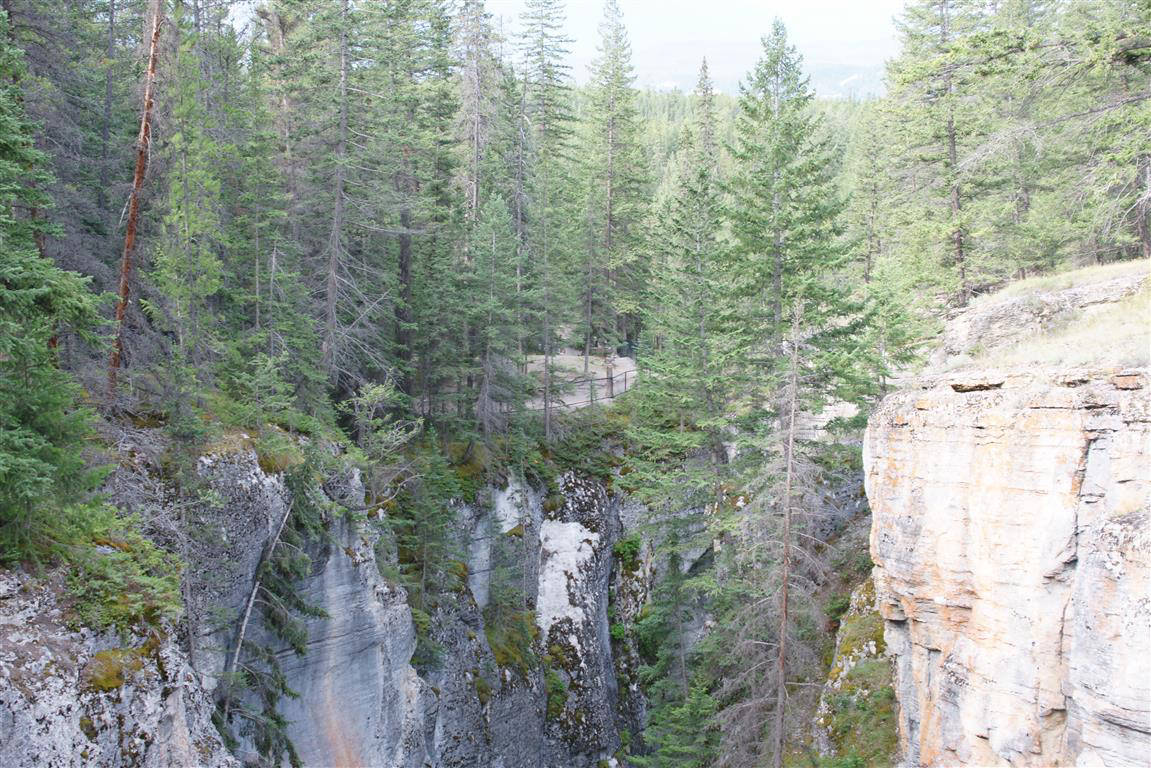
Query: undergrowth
118, 578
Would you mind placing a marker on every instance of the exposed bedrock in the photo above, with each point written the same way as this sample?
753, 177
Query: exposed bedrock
1012, 550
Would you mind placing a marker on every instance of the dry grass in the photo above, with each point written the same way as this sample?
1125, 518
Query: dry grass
1074, 278
1116, 334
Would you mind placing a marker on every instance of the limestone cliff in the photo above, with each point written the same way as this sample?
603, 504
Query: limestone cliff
73, 697
1013, 556
363, 699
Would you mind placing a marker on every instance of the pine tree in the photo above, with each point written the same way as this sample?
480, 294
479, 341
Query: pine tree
272, 346
42, 426
780, 150
478, 86
685, 737
1099, 124
681, 412
612, 273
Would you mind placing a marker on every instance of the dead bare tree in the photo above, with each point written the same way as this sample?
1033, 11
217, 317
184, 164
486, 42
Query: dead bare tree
143, 150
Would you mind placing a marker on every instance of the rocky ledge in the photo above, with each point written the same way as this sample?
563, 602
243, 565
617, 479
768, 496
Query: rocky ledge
73, 697
1013, 556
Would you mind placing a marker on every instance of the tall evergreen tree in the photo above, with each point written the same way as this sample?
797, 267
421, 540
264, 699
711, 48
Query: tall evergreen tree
188, 269
689, 319
612, 273
41, 424
940, 121
548, 112
798, 332
492, 310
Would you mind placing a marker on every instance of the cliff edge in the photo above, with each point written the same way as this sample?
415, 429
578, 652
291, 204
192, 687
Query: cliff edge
1013, 559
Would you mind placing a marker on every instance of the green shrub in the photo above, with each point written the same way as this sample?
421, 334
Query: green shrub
627, 551
837, 606
119, 578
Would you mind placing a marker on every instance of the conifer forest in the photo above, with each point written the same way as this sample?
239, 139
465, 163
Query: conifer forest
379, 388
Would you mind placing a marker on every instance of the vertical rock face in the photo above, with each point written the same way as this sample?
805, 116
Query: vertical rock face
1013, 555
71, 697
572, 615
361, 701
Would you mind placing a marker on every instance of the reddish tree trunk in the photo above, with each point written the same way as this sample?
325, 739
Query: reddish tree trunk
143, 147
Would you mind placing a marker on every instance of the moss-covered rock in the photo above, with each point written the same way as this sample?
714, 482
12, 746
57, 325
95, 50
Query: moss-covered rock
108, 670
856, 720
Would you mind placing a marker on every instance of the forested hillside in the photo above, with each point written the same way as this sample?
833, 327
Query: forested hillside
385, 228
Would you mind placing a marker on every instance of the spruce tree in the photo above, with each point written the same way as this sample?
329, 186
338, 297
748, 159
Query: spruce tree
187, 267
612, 272
492, 316
547, 110
687, 362
42, 426
939, 122
799, 330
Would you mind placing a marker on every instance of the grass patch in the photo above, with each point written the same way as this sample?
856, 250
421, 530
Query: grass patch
860, 717
1063, 280
863, 722
1115, 334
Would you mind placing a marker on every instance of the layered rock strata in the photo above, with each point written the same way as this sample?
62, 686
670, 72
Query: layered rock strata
1013, 557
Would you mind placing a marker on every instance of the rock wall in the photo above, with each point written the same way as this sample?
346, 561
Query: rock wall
1013, 555
361, 701
73, 697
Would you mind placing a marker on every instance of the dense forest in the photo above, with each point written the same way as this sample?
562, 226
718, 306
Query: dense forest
381, 224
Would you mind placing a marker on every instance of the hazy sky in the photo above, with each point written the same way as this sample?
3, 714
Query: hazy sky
839, 39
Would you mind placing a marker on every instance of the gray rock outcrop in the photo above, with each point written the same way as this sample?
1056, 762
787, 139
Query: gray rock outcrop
362, 701
73, 697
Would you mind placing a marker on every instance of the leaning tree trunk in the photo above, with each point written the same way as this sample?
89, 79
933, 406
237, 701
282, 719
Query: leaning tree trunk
143, 148
233, 661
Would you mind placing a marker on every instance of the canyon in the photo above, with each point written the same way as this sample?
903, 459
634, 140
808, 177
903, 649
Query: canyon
1008, 614
1011, 543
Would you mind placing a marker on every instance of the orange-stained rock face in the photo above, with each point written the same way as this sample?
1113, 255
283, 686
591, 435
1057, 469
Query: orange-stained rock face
1013, 554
